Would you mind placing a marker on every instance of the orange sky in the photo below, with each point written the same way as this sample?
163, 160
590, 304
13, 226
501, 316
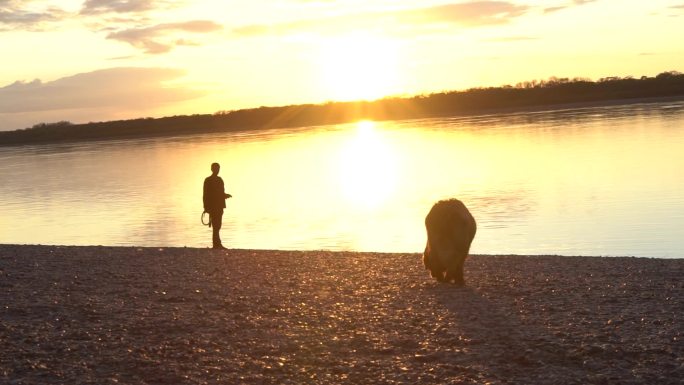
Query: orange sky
99, 60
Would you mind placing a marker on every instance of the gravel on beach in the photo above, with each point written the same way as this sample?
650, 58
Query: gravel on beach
127, 315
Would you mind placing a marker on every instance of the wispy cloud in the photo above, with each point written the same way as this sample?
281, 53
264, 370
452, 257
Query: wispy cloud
569, 5
555, 9
124, 6
15, 14
114, 87
124, 19
114, 17
164, 37
469, 14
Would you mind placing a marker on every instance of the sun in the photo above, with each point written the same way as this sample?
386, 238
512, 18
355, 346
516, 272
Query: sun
358, 67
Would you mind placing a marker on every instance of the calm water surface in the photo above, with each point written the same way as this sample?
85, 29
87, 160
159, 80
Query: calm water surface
592, 181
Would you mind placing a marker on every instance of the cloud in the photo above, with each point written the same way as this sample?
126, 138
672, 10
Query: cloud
16, 14
562, 7
124, 88
114, 17
555, 9
120, 15
469, 14
122, 6
162, 38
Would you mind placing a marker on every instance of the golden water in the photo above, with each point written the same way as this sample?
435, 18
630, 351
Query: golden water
593, 181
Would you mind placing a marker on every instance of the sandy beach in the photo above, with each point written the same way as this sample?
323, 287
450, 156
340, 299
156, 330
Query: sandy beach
121, 315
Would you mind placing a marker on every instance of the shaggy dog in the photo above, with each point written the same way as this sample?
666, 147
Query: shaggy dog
450, 230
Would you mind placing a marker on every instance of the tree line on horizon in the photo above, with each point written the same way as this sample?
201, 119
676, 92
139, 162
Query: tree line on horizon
537, 93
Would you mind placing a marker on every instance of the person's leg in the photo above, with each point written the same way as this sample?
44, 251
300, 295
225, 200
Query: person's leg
216, 222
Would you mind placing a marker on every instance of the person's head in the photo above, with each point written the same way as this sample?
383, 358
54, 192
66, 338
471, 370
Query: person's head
215, 167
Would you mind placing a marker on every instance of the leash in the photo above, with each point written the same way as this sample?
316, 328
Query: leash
202, 219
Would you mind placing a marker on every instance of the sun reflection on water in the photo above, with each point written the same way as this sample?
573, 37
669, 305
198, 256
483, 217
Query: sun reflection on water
368, 167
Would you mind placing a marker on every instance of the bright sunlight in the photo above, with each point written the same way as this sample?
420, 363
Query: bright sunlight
359, 67
368, 167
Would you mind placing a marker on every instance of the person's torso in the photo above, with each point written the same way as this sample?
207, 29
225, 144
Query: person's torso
214, 191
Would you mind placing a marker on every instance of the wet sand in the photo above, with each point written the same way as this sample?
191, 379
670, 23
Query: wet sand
101, 315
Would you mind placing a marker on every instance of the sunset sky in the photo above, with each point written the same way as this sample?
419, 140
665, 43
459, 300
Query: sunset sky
97, 60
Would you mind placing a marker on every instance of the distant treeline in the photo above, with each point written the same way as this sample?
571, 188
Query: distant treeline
533, 94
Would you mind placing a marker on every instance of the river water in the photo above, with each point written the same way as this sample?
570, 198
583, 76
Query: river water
589, 181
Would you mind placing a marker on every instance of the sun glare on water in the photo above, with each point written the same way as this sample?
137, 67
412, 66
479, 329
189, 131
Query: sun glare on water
368, 167
358, 67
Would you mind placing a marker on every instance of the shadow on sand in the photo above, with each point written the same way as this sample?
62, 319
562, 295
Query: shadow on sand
492, 343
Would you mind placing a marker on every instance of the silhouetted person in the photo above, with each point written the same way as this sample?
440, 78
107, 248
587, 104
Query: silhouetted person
214, 198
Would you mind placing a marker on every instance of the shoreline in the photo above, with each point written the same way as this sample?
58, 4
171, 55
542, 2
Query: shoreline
3, 246
149, 315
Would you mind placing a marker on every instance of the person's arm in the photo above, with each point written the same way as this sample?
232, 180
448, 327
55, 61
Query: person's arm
223, 190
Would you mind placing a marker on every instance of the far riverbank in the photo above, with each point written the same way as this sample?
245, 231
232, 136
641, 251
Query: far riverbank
555, 94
